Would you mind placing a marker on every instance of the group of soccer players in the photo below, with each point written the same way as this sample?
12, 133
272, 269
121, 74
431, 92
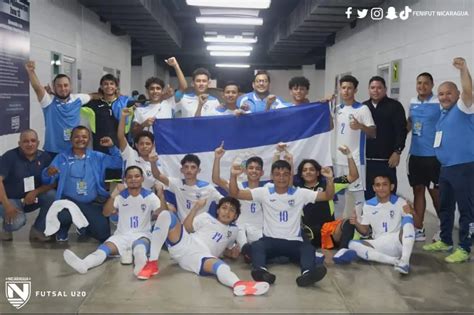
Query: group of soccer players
287, 218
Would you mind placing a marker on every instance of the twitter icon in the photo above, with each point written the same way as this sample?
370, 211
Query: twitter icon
362, 13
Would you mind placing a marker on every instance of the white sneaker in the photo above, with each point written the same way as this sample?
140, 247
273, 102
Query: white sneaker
436, 237
420, 235
126, 258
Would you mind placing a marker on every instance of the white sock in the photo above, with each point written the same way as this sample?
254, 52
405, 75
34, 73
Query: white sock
82, 265
349, 204
226, 276
369, 253
408, 238
159, 234
139, 258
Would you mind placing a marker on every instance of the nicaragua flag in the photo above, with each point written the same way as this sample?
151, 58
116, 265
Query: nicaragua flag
304, 128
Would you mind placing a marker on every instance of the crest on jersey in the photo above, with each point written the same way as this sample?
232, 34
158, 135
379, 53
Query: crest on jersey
392, 213
18, 291
143, 206
198, 195
148, 173
229, 234
291, 202
320, 189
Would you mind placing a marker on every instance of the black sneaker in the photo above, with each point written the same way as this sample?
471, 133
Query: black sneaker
311, 276
263, 275
247, 253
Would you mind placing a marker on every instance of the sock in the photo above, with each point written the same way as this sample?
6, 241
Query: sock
408, 238
369, 253
92, 260
347, 234
139, 255
224, 274
165, 221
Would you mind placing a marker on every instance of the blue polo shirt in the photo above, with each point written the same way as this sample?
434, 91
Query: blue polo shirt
424, 116
81, 183
257, 104
14, 167
457, 141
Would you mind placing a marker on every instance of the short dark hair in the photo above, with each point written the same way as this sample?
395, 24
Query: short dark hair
386, 175
141, 98
80, 127
260, 72
200, 71
232, 83
133, 167
60, 76
154, 80
349, 78
232, 201
254, 159
378, 78
281, 164
109, 77
426, 74
299, 174
298, 81
192, 158
135, 92
144, 134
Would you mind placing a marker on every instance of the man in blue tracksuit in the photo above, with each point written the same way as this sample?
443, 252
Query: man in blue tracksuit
454, 148
80, 175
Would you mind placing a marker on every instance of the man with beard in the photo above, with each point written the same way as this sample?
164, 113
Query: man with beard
61, 110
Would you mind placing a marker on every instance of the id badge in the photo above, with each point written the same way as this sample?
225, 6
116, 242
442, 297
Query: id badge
67, 134
81, 187
417, 128
29, 183
438, 137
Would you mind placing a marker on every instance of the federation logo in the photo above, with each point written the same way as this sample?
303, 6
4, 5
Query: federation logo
18, 291
291, 202
143, 207
392, 213
198, 195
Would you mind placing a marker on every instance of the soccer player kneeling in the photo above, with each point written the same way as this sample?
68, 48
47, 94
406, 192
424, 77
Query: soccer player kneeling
135, 205
199, 241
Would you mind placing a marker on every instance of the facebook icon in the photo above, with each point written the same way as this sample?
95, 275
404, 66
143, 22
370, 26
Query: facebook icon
348, 12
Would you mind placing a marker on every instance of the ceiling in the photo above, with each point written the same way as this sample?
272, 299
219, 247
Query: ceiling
294, 32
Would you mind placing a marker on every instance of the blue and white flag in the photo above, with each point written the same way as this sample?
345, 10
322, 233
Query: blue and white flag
305, 129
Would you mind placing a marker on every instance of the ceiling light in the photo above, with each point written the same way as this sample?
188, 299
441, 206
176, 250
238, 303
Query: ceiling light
230, 39
254, 4
230, 53
229, 48
229, 20
232, 65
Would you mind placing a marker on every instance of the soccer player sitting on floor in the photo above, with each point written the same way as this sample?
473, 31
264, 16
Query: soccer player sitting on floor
135, 205
250, 222
198, 243
282, 208
393, 232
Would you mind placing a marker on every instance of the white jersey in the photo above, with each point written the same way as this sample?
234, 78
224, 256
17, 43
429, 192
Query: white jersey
162, 110
187, 195
282, 212
213, 234
219, 111
132, 158
383, 217
251, 212
189, 104
354, 139
135, 211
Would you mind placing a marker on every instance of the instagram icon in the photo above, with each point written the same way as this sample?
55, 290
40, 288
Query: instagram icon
376, 14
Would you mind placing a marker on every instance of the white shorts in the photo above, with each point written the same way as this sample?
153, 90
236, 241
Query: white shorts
359, 184
124, 242
249, 233
189, 253
388, 244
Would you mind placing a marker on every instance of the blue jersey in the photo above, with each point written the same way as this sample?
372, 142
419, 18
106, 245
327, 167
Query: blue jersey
457, 138
59, 119
424, 115
257, 104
